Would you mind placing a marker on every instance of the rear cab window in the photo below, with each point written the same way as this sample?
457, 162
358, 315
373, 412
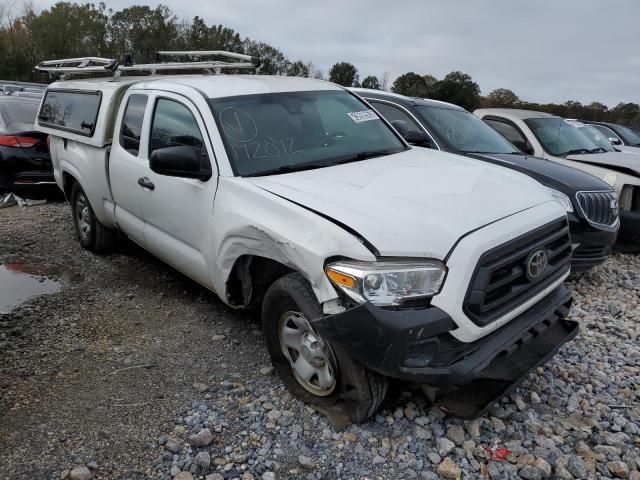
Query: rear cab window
71, 110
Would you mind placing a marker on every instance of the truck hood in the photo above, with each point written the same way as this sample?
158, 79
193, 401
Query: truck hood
626, 162
552, 174
417, 203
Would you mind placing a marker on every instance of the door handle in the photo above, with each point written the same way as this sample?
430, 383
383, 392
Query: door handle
146, 183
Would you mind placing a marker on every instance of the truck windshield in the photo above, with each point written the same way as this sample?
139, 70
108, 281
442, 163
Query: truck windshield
559, 138
464, 131
275, 133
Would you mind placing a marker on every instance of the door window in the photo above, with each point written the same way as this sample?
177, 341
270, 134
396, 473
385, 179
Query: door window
392, 114
174, 125
509, 132
132, 123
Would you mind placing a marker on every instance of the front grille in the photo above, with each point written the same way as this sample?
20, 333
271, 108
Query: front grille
600, 208
501, 282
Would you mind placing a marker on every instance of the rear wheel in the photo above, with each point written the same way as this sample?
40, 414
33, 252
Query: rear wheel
90, 232
312, 369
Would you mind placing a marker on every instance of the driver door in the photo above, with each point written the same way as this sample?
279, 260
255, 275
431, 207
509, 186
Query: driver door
178, 211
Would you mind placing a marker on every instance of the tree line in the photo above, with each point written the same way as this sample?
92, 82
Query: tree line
74, 30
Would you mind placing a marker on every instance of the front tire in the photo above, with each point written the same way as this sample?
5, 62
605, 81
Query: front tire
312, 369
91, 234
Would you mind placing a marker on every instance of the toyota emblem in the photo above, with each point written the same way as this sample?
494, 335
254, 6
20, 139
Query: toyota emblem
537, 264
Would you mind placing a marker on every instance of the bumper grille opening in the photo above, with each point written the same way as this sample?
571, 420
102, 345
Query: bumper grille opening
599, 207
501, 281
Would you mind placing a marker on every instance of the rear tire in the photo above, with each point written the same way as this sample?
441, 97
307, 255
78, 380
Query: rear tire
288, 313
91, 234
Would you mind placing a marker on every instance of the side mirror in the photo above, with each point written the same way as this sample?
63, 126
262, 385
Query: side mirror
183, 161
412, 137
524, 146
614, 141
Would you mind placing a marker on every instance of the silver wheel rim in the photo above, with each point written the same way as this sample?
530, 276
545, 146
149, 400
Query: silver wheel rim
83, 216
310, 359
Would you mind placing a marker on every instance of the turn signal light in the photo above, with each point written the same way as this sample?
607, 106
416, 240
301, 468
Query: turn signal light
341, 279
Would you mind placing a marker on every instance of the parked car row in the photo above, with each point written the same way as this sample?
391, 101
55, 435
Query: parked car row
380, 236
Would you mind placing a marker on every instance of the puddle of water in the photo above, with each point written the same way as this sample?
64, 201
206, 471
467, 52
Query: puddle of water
20, 281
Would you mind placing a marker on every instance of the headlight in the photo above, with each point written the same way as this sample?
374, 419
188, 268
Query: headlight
610, 178
388, 283
562, 199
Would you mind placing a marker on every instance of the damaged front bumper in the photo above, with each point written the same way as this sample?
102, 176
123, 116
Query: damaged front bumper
415, 345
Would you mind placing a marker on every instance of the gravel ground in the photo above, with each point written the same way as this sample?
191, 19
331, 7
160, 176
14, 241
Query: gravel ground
133, 371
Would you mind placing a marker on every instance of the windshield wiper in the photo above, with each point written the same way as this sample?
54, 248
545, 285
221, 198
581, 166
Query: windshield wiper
577, 151
329, 163
598, 150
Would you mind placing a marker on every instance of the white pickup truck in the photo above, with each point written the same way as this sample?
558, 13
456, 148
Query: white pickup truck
368, 258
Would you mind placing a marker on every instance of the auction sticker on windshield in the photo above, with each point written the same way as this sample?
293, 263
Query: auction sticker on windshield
363, 116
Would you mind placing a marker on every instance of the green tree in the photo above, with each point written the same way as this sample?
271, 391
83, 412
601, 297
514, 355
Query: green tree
411, 84
371, 82
142, 31
460, 89
501, 97
298, 69
345, 74
273, 60
625, 113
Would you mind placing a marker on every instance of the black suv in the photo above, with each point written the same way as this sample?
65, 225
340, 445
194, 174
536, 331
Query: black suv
591, 203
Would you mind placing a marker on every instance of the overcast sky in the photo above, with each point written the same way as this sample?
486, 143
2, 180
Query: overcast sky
544, 50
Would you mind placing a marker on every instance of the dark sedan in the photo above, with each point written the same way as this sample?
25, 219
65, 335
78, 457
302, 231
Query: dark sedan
592, 206
617, 134
24, 155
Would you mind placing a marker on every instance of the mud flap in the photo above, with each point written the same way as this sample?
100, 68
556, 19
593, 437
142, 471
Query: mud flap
506, 371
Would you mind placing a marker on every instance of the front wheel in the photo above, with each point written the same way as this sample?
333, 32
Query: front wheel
90, 232
311, 368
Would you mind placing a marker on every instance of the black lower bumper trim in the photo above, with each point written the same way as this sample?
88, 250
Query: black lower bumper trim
506, 372
416, 345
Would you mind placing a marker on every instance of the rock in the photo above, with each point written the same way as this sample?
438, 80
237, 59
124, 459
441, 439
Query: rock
530, 473
268, 476
183, 476
217, 338
247, 476
422, 433
175, 470
535, 398
577, 468
267, 370
444, 446
456, 435
201, 439
80, 473
215, 476
172, 445
200, 387
554, 401
449, 469
377, 460
618, 469
543, 466
202, 461
473, 427
306, 462
64, 474
92, 466
525, 460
